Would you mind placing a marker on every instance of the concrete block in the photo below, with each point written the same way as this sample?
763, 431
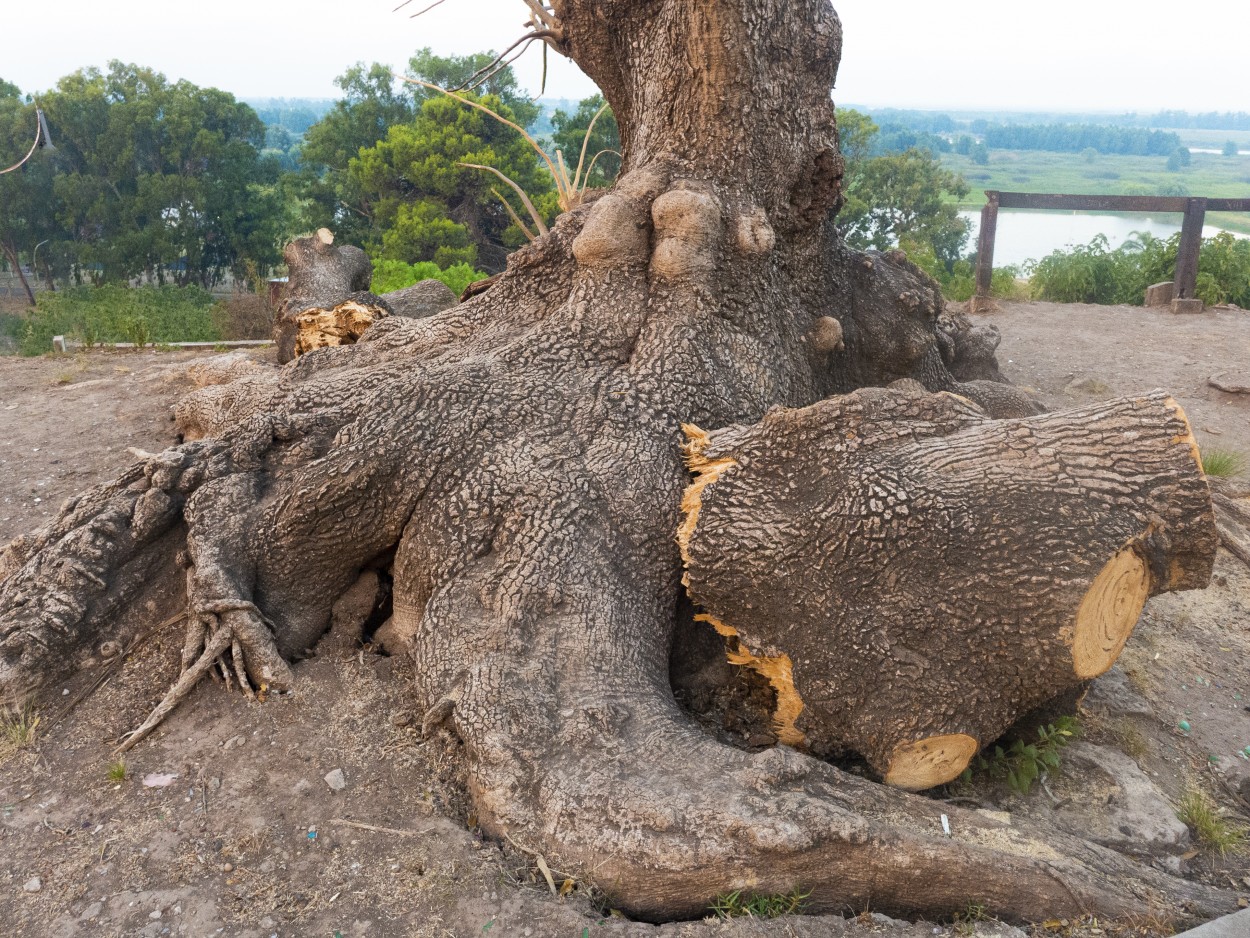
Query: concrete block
1160, 294
1187, 306
1236, 925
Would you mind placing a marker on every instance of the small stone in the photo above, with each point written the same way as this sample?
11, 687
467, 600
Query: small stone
303, 786
336, 780
34, 884
156, 915
401, 718
227, 867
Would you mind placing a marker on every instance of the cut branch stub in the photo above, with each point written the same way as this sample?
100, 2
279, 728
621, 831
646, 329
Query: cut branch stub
928, 575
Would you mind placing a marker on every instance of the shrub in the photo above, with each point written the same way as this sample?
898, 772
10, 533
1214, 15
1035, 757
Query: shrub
1093, 273
389, 275
243, 316
120, 314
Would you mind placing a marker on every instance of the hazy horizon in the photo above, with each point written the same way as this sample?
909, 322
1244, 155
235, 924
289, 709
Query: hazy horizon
962, 55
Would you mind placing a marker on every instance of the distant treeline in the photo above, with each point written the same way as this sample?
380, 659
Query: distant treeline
977, 122
294, 115
1073, 138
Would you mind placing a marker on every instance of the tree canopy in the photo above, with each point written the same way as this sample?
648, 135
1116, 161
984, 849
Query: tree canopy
148, 178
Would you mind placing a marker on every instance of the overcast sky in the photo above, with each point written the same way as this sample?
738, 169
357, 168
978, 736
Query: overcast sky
1089, 55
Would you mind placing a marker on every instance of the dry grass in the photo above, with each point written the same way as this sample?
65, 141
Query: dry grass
18, 730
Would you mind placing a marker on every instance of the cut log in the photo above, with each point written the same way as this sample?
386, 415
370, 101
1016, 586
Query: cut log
912, 576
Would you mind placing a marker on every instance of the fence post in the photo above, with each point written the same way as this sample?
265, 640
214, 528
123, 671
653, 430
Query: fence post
1191, 243
985, 252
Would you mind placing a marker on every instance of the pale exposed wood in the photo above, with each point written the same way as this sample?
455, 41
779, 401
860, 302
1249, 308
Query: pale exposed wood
1109, 612
929, 762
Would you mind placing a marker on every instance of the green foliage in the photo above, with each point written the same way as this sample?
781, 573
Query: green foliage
1231, 148
120, 314
1223, 463
337, 194
117, 771
898, 198
1209, 825
1093, 273
1073, 138
980, 154
569, 135
391, 275
1021, 764
736, 905
411, 187
1179, 159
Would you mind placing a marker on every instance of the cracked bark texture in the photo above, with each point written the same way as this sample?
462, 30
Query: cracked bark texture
913, 576
519, 457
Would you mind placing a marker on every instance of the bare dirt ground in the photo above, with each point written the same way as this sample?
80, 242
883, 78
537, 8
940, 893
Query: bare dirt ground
225, 823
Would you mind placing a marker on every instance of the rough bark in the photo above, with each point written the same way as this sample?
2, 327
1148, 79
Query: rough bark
913, 577
519, 458
322, 275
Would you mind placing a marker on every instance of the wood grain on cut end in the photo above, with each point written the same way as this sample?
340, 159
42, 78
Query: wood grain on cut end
1109, 612
778, 670
930, 762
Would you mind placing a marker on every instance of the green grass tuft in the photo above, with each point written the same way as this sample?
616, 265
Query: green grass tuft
1209, 825
117, 771
1223, 463
736, 905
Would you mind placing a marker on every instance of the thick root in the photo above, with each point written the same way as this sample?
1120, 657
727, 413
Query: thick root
235, 639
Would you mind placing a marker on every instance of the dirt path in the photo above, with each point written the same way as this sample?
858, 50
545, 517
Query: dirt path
248, 838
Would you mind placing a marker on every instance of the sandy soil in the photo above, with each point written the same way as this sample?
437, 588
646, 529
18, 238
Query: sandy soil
248, 838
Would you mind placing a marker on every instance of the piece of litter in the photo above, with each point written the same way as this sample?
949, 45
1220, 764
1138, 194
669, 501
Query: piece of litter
946, 825
159, 780
34, 884
1184, 726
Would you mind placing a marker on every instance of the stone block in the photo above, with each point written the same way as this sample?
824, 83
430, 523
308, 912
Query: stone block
1187, 306
1160, 294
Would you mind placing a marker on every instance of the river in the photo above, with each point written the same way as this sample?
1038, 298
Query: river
1025, 234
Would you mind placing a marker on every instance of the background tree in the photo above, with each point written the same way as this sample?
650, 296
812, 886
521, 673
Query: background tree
897, 199
1231, 148
158, 179
27, 200
605, 140
422, 206
374, 102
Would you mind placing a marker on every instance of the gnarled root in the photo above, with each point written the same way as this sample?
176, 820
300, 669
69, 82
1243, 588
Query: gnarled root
237, 640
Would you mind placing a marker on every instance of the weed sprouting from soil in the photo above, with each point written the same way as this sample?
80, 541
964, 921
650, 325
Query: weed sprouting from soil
1223, 463
1208, 823
736, 905
18, 730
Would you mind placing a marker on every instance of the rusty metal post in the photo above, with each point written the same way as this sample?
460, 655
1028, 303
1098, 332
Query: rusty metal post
1191, 243
985, 251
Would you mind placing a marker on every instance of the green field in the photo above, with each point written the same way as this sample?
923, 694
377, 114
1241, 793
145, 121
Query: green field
1208, 175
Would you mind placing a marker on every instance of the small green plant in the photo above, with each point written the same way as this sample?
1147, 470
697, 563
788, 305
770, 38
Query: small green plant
18, 730
117, 771
736, 905
137, 332
1021, 764
966, 921
1208, 823
1223, 463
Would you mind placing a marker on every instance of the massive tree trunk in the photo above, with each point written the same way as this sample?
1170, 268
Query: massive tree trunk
516, 464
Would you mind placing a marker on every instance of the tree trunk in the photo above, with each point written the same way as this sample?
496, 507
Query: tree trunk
10, 254
519, 457
912, 577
